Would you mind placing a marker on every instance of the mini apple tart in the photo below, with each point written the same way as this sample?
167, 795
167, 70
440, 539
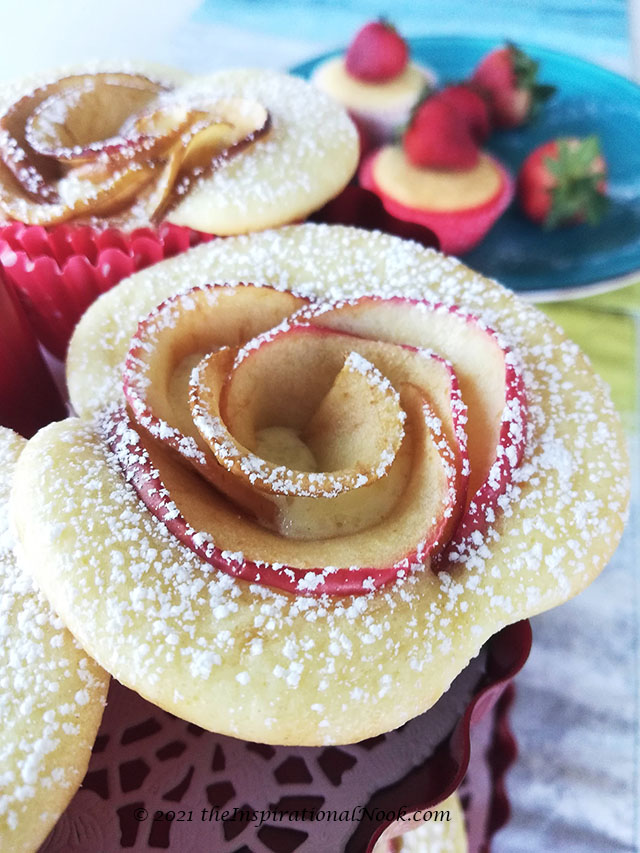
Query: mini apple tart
233, 152
52, 694
315, 469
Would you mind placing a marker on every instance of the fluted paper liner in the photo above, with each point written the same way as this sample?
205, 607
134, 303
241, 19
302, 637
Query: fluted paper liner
60, 271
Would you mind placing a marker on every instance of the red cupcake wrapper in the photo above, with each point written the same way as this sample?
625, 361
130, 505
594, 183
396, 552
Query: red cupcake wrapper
363, 209
458, 231
29, 398
60, 271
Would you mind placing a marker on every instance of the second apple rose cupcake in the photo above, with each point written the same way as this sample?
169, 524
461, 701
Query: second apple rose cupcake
127, 150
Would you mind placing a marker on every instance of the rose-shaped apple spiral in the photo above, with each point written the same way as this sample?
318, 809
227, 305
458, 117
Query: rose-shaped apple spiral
95, 144
317, 447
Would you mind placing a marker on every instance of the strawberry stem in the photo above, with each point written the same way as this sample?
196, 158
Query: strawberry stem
578, 192
525, 70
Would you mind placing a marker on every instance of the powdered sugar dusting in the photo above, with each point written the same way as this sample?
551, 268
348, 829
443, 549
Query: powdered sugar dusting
550, 533
47, 682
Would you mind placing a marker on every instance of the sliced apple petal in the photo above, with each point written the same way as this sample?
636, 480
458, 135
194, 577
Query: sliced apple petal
171, 341
85, 192
359, 423
83, 116
33, 174
349, 485
205, 522
224, 125
490, 382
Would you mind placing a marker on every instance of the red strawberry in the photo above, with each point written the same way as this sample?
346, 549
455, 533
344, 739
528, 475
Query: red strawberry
472, 105
439, 137
377, 53
508, 76
564, 182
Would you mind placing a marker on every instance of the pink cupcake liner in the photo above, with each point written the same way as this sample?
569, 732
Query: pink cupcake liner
457, 231
363, 209
58, 272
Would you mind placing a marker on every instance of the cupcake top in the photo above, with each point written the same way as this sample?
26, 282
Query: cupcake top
397, 94
435, 189
520, 442
233, 152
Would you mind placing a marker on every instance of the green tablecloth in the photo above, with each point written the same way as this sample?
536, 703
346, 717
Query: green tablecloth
606, 327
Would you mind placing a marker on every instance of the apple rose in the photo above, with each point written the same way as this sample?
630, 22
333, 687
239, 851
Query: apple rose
318, 447
298, 381
95, 144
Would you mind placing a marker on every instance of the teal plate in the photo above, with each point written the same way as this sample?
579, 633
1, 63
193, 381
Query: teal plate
589, 99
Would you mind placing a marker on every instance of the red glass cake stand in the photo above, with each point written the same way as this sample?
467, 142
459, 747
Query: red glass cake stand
156, 782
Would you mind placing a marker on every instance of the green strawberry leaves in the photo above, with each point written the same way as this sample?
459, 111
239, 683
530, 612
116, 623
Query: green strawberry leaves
525, 70
578, 173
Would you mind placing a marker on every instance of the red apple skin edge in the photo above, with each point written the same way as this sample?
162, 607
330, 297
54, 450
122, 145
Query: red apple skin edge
124, 442
511, 440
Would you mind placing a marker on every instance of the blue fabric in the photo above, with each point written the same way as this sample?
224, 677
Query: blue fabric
584, 27
589, 99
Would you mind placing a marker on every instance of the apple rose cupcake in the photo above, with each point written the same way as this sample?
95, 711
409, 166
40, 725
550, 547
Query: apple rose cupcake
130, 151
315, 469
52, 694
375, 81
439, 177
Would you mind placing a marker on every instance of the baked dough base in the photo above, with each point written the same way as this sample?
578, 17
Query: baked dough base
51, 697
248, 661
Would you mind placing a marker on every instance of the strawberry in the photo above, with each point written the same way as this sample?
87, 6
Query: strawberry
468, 101
564, 182
378, 53
508, 76
439, 137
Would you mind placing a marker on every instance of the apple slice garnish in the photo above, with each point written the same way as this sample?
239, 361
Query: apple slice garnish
82, 117
36, 169
205, 521
314, 453
490, 382
93, 144
324, 447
